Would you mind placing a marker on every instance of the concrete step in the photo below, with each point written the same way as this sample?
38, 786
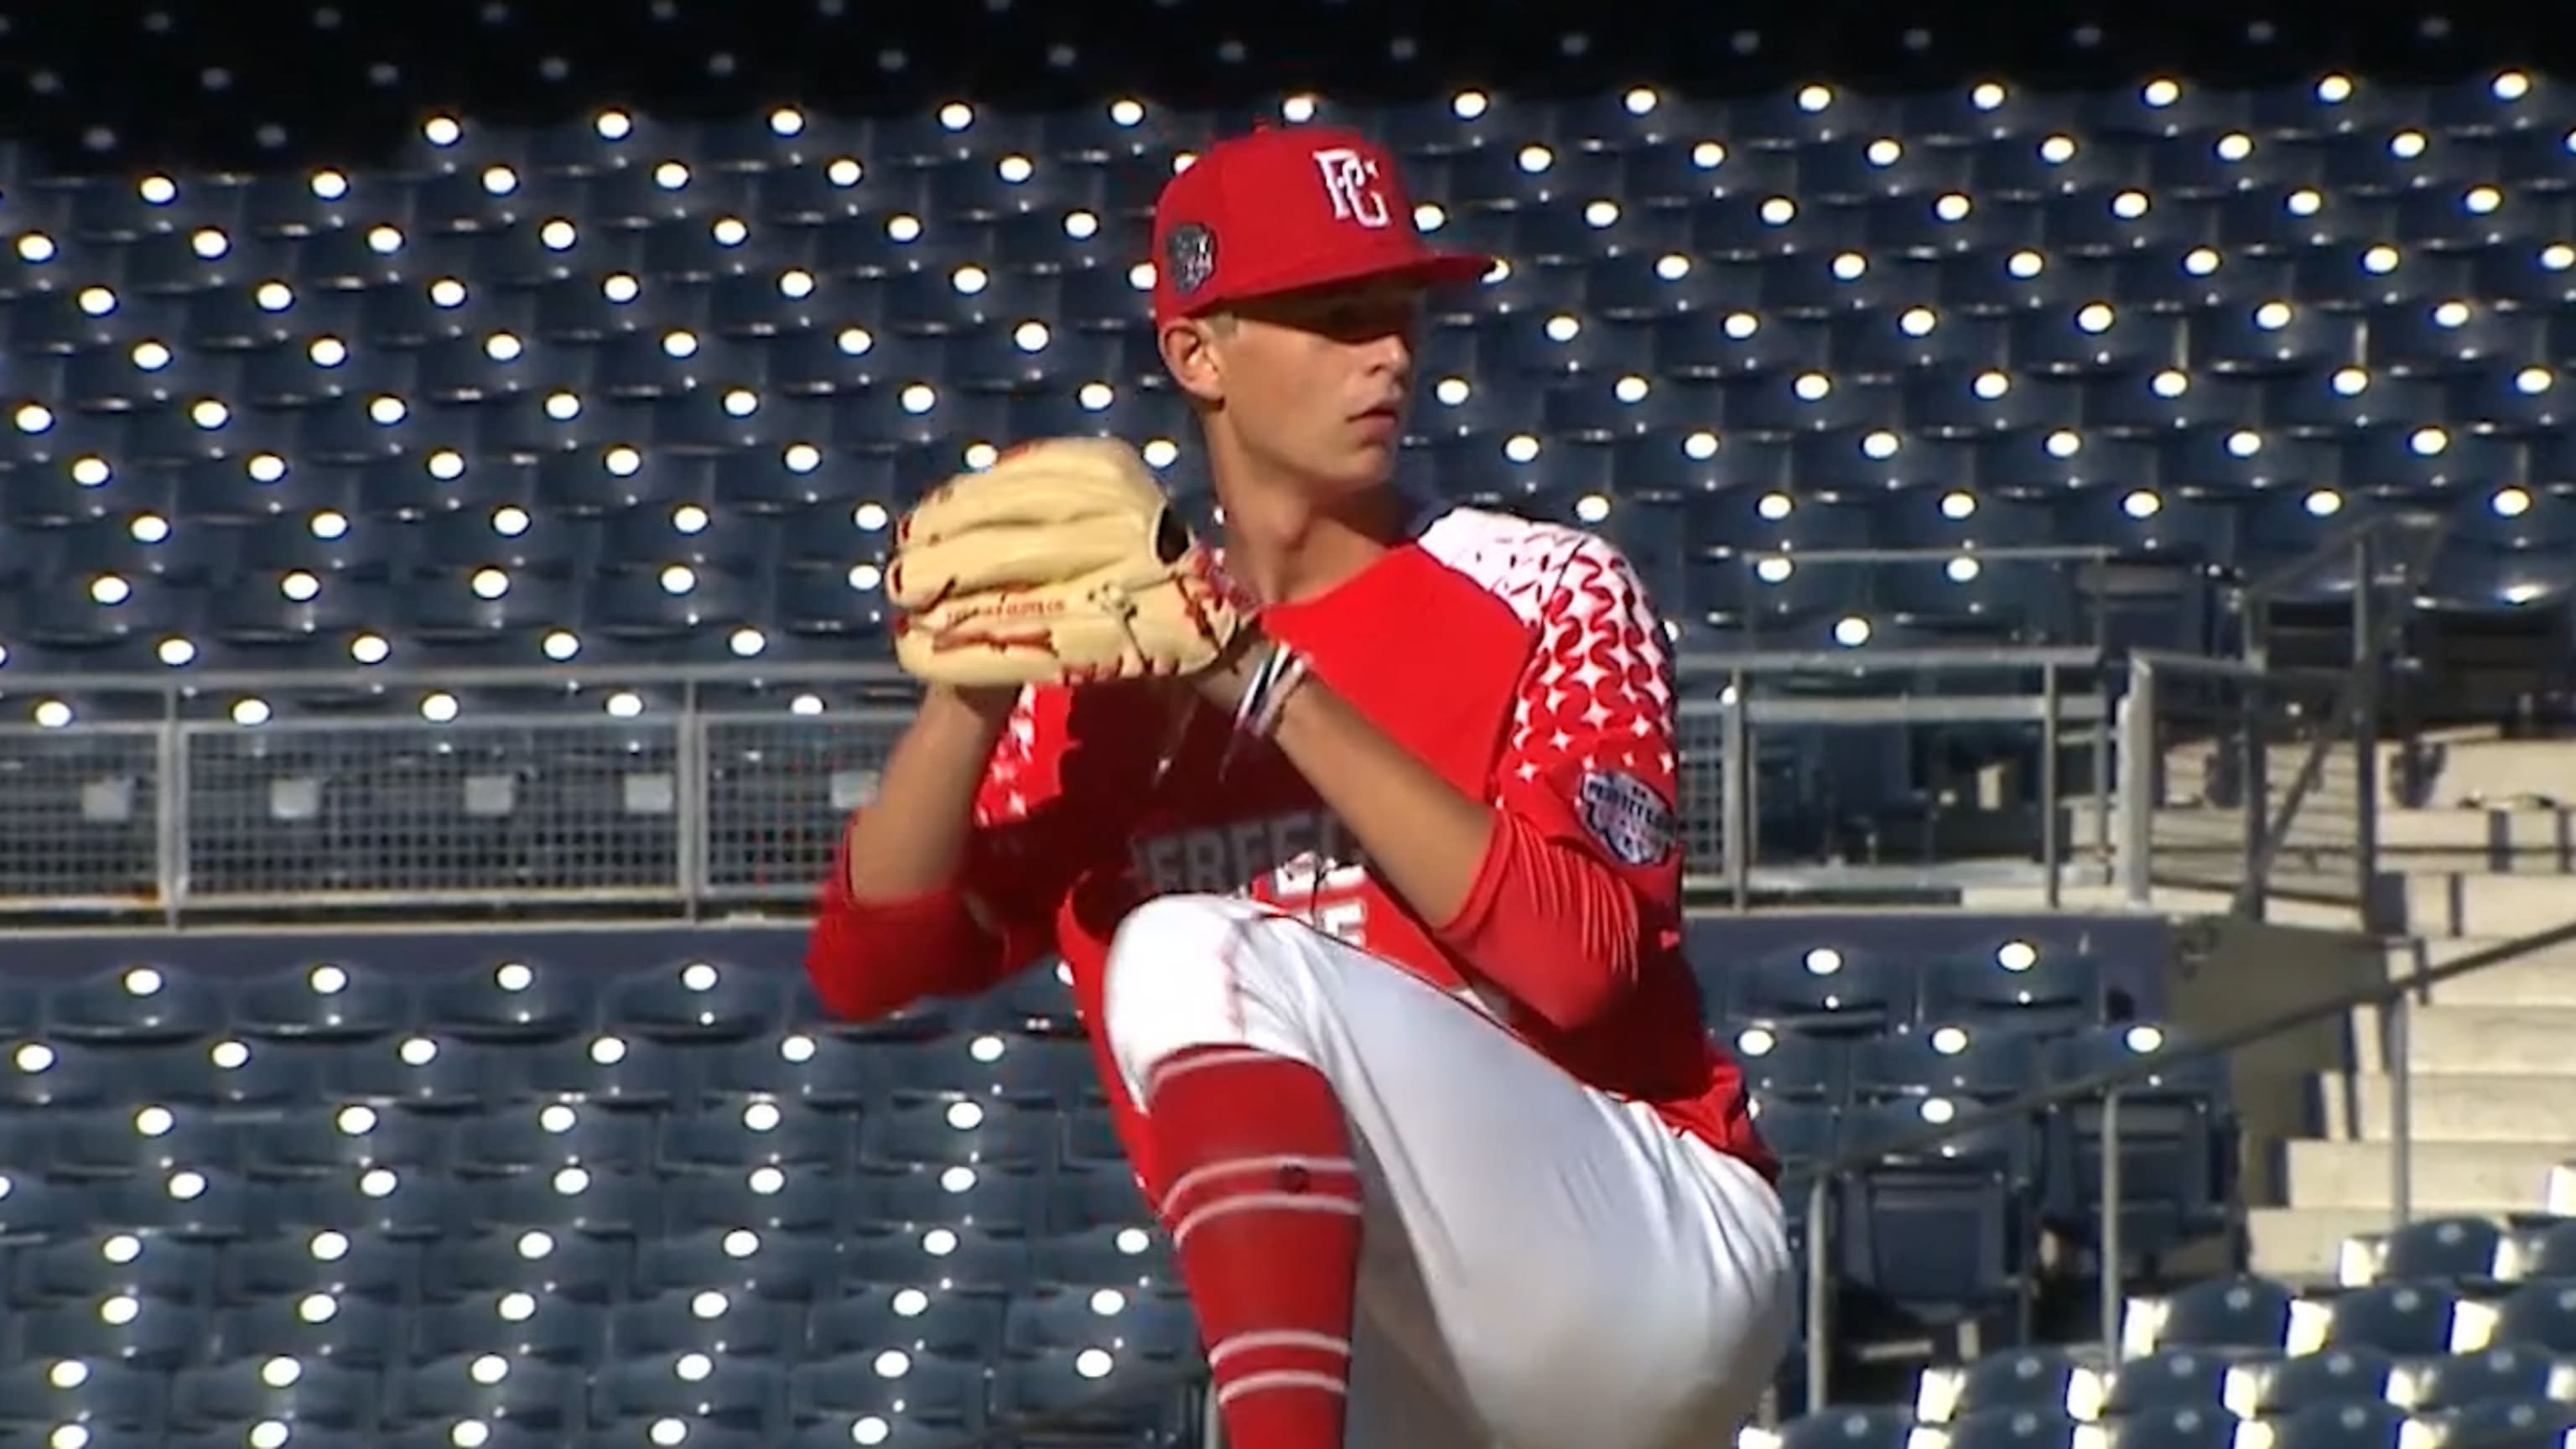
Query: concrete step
2173, 902
2443, 1177
2479, 1041
2540, 978
2455, 1108
2460, 903
2537, 841
2305, 1245
2498, 769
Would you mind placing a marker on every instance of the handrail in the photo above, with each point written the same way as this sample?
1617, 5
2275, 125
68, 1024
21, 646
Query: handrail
2260, 590
887, 674
1816, 1176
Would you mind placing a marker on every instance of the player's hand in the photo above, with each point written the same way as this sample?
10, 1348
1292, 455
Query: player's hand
1061, 563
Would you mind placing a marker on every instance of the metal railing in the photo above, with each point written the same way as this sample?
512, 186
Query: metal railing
2249, 781
727, 788
1817, 1181
2260, 778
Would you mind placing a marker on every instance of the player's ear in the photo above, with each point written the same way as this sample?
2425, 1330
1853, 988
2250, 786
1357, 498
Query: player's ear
1190, 354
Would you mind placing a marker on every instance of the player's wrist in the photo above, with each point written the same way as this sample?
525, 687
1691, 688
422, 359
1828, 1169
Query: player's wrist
1223, 684
1257, 685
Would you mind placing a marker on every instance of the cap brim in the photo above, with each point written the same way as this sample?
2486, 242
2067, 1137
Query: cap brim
1427, 268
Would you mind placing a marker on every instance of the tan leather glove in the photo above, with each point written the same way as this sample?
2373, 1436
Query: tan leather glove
1061, 563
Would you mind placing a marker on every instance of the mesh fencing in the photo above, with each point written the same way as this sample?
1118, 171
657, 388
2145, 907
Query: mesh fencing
83, 812
713, 806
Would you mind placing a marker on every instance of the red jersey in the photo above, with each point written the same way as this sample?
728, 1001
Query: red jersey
1519, 660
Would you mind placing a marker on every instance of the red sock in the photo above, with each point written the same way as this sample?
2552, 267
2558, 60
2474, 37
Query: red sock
1263, 1204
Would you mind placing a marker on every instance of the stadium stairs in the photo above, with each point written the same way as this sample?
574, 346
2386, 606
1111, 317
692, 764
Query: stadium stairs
2476, 846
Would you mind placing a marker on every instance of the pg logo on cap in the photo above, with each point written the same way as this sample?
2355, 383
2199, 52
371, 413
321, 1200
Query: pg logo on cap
1351, 184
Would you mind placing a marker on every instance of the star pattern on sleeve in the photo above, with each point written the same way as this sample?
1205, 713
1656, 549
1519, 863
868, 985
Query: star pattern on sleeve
1013, 782
1597, 693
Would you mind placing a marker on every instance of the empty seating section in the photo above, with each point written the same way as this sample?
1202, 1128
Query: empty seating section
591, 1184
646, 391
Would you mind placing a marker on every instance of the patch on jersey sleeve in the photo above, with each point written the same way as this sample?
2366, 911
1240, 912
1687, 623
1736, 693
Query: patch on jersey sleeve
1625, 814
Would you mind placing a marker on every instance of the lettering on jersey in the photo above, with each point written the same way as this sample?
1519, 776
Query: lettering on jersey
1626, 815
1301, 860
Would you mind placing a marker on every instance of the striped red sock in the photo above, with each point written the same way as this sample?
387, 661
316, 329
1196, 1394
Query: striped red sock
1263, 1205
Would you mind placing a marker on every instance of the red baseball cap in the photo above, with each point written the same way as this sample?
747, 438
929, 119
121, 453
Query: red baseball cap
1287, 207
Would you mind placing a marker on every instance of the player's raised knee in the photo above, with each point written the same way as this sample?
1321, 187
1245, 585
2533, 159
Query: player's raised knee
1174, 980
1166, 927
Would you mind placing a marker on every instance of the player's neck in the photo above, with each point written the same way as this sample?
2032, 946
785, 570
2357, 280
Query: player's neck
1285, 548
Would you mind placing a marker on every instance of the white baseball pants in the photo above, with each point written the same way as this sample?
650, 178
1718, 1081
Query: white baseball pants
1543, 1265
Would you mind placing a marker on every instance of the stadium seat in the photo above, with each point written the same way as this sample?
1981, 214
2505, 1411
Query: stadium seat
2219, 1313
2341, 1373
2349, 1424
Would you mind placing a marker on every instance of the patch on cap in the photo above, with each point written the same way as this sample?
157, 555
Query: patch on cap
1189, 255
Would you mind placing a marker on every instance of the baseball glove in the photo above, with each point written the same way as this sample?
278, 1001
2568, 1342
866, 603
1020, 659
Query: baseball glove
1062, 563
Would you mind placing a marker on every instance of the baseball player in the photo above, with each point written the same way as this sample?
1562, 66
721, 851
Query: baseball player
1359, 847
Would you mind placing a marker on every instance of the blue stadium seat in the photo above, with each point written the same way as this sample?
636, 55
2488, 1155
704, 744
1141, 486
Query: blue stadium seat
1127, 1255
2394, 1318
343, 1264
876, 1388
518, 1324
2216, 1313
1792, 1065
2174, 1136
2497, 1375
739, 1262
425, 1072
318, 1142
1965, 1195
358, 1332
2044, 1381
2037, 985
2514, 1422
2547, 1250
133, 1006
89, 1269
2014, 1429
39, 1394
2344, 1425
1849, 1428
2340, 1373
509, 1392
2176, 1377
566, 1266
957, 1194
955, 1130
1824, 989
1075, 1387
128, 1328
540, 1138
509, 1001
755, 1133
1978, 1064
2457, 1249
2175, 1428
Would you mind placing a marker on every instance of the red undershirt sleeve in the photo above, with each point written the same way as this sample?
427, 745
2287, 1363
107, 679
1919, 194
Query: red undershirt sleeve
1035, 827
1582, 878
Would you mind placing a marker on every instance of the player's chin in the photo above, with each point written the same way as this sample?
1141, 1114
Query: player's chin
1367, 470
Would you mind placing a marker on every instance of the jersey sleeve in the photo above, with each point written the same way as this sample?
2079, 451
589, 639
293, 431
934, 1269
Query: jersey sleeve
1038, 820
1582, 880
